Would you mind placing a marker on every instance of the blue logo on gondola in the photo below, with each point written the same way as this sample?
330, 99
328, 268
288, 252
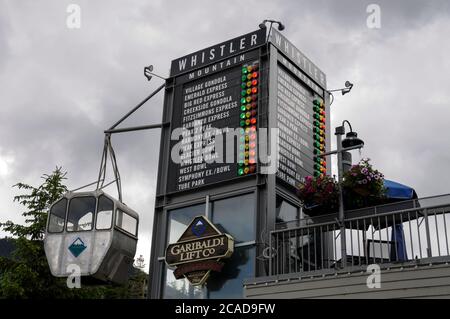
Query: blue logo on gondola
198, 228
77, 247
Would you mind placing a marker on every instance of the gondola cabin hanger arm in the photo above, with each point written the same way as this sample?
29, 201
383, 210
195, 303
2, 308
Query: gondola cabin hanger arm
91, 232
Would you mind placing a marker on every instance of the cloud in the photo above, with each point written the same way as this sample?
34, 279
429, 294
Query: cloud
61, 88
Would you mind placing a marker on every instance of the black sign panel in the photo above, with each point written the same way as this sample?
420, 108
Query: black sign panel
297, 56
207, 108
218, 52
295, 121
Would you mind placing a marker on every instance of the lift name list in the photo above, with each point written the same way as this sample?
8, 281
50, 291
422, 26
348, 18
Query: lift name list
207, 248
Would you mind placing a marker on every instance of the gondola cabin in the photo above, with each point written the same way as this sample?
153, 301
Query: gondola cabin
93, 231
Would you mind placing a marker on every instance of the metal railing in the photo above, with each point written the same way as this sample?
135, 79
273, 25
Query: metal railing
385, 235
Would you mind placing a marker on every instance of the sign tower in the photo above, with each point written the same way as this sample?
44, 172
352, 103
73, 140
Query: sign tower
247, 117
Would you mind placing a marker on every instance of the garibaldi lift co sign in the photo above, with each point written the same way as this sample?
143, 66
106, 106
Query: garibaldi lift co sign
198, 251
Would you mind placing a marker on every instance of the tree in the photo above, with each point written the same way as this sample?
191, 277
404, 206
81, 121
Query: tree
27, 274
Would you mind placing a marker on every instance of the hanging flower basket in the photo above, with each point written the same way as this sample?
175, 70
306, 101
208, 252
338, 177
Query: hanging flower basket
314, 210
319, 195
362, 186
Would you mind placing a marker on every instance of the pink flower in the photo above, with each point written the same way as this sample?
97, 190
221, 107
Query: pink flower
329, 188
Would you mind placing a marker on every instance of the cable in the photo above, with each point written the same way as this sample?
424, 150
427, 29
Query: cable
107, 148
332, 100
116, 170
102, 170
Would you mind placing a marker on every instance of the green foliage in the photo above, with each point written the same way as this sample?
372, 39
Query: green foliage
27, 274
37, 203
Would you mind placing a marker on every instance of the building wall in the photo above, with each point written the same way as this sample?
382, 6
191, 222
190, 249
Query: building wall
425, 281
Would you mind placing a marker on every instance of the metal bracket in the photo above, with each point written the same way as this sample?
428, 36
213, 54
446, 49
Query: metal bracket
107, 148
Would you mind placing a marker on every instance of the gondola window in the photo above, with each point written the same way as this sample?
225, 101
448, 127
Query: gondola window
105, 212
81, 214
57, 216
126, 222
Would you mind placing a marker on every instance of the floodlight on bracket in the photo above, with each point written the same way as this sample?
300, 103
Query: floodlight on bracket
262, 25
348, 87
148, 72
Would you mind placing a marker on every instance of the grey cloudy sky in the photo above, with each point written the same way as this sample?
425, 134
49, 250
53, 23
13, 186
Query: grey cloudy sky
60, 88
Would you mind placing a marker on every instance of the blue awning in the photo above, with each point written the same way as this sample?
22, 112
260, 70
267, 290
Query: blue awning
398, 244
398, 191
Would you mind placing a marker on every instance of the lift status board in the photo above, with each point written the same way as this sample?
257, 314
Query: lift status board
301, 116
214, 123
213, 112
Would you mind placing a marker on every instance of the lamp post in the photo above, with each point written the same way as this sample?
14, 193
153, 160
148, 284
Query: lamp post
351, 142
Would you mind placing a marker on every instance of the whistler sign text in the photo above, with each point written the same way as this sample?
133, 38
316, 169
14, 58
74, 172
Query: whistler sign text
218, 52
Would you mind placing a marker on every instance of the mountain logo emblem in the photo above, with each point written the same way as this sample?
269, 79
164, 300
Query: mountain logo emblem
198, 228
77, 247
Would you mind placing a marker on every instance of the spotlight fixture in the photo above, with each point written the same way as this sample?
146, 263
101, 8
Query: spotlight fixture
348, 87
281, 26
262, 25
148, 72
